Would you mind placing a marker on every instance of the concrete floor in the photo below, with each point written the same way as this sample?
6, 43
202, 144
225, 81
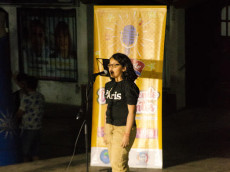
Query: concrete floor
194, 140
217, 164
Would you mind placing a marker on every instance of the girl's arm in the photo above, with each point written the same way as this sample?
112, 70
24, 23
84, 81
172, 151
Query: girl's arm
20, 113
129, 125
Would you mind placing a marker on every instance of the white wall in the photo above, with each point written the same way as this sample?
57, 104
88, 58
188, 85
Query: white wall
54, 91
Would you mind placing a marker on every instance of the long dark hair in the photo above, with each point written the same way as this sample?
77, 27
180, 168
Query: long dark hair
62, 28
124, 60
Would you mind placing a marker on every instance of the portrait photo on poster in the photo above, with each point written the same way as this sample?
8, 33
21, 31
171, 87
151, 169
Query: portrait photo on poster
48, 43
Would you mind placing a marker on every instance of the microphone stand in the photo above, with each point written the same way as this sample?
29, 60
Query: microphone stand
83, 113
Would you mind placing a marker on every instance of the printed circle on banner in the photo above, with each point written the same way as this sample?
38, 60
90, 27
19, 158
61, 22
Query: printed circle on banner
143, 157
104, 156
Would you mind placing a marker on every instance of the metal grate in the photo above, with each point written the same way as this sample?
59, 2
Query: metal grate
47, 41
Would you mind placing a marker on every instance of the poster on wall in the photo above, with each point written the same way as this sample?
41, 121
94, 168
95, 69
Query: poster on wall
138, 32
61, 2
47, 43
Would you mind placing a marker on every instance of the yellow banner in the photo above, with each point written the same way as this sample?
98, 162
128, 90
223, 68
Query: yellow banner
137, 31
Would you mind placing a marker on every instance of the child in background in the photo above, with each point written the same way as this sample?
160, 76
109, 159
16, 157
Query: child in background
20, 80
31, 111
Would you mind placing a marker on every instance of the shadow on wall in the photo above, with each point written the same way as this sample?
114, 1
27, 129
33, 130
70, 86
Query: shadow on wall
196, 134
60, 130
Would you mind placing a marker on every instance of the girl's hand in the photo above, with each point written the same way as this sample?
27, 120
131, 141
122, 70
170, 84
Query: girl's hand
125, 141
105, 140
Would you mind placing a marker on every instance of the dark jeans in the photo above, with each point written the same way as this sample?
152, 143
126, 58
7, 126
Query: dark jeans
30, 140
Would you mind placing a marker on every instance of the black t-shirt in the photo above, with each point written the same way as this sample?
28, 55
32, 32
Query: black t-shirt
118, 95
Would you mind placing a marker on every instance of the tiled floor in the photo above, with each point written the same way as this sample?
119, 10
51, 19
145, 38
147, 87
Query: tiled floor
194, 140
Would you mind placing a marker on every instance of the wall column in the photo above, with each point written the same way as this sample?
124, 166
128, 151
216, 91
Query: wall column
8, 153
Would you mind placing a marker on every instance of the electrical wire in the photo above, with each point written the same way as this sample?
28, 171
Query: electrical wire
75, 145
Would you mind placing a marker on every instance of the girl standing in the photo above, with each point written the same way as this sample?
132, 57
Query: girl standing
121, 95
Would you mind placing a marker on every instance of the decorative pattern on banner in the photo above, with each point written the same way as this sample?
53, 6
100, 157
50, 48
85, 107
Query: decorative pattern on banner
137, 31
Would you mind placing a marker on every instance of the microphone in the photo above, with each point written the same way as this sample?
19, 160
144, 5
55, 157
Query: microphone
79, 114
105, 72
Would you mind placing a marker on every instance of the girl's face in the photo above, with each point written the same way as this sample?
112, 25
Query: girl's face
63, 41
37, 37
116, 70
